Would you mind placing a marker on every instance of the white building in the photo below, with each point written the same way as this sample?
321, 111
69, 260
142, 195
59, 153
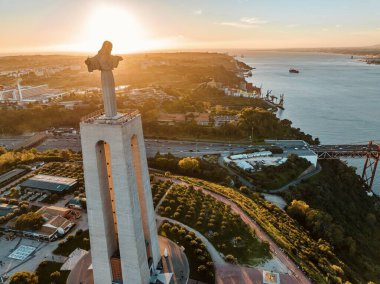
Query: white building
29, 94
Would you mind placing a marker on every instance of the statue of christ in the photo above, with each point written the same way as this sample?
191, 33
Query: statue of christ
105, 62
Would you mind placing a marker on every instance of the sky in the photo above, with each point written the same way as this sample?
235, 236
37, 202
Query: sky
144, 25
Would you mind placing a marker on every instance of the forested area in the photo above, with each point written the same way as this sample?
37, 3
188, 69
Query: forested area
19, 121
10, 159
315, 257
260, 123
335, 207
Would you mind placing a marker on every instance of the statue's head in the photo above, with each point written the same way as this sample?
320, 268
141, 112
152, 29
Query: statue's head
106, 48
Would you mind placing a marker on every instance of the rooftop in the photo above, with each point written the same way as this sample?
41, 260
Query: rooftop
10, 174
50, 211
47, 182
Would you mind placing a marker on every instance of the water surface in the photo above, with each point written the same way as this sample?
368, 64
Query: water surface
334, 97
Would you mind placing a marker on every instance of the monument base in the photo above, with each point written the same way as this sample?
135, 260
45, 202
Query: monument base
119, 201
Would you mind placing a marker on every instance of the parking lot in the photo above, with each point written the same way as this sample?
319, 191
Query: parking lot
69, 141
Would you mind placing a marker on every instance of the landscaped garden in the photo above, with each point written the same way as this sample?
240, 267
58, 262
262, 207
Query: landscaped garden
316, 258
216, 221
159, 189
81, 239
274, 177
200, 262
49, 272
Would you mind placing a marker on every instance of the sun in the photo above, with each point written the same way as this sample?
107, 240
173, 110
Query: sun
116, 24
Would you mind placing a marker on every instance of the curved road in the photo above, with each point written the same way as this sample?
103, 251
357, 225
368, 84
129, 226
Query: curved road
299, 275
275, 249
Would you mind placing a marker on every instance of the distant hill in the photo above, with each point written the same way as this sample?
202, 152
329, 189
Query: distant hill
364, 51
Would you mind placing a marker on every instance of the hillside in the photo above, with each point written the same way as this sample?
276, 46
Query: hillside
337, 209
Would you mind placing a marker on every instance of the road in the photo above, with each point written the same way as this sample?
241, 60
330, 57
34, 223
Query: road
178, 148
300, 277
345, 151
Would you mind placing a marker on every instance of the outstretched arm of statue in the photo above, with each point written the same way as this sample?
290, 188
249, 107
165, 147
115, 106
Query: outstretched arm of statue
115, 60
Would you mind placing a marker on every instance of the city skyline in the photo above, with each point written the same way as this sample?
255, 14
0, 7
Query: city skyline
79, 26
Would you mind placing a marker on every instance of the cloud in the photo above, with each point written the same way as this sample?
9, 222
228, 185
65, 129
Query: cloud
252, 21
338, 26
236, 25
198, 12
291, 26
245, 23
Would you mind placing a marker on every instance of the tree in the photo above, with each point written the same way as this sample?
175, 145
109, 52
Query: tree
244, 189
55, 276
297, 210
202, 268
189, 164
24, 278
230, 258
29, 221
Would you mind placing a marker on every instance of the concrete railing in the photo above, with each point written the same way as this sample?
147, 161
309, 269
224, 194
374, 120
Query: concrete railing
97, 117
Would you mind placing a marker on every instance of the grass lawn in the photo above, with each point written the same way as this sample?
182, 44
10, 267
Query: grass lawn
48, 267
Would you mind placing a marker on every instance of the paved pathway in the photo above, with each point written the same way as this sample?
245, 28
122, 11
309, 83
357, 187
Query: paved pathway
81, 273
162, 199
308, 173
226, 273
175, 262
216, 257
299, 276
242, 180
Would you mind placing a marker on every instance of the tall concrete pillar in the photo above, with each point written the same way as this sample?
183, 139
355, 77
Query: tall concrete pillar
119, 201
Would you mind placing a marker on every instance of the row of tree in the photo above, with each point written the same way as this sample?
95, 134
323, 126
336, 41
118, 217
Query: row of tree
194, 167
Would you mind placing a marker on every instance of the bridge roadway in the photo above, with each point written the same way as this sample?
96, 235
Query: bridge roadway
199, 148
348, 150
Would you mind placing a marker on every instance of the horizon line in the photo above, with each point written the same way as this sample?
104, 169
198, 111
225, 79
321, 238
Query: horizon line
178, 50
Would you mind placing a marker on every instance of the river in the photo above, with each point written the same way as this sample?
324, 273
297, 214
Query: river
334, 97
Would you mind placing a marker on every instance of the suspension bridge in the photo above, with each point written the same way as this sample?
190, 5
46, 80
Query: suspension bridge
370, 152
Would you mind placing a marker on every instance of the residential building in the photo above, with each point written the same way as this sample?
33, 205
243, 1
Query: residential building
220, 120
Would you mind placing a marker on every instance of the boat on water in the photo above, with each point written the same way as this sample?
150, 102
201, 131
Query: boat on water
292, 70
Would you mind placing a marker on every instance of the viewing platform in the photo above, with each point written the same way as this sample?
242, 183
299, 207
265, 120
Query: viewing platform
99, 117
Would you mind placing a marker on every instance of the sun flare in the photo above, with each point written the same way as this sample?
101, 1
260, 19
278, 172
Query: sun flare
118, 25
